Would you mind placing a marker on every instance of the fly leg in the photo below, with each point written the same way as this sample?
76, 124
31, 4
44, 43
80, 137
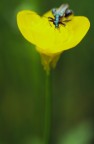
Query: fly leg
51, 20
62, 23
66, 20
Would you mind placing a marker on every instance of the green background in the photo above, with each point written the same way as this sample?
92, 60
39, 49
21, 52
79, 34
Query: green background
22, 81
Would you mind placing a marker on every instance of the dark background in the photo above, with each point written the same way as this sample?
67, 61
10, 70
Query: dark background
22, 81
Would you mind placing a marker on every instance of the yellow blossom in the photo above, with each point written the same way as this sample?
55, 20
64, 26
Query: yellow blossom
50, 42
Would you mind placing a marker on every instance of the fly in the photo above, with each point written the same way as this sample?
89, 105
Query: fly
62, 12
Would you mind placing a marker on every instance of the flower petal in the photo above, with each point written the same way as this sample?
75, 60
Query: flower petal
26, 20
77, 28
48, 39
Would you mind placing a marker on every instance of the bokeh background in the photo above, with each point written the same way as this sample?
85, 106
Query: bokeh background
22, 81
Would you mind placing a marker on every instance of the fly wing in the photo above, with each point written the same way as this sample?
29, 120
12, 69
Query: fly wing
61, 10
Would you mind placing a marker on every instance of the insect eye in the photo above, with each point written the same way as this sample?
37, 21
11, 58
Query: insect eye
68, 13
53, 11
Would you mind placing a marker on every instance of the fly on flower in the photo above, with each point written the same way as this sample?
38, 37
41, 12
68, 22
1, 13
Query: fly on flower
51, 43
60, 14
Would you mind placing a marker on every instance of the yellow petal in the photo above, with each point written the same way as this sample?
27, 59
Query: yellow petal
48, 39
26, 20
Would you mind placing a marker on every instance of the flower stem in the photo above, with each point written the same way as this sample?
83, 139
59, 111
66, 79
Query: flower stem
48, 110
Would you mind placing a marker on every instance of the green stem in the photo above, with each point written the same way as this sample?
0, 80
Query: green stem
48, 110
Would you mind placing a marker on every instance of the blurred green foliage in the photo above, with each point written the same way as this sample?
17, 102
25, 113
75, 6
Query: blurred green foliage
22, 81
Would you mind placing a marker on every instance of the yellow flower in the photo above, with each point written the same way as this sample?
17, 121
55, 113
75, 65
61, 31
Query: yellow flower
50, 41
